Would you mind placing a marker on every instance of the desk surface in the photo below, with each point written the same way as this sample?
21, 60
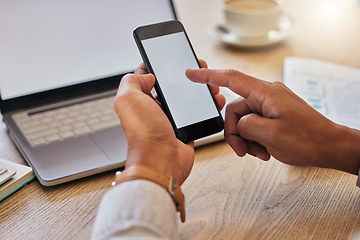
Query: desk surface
226, 197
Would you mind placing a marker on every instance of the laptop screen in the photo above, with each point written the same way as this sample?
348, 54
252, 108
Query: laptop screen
47, 45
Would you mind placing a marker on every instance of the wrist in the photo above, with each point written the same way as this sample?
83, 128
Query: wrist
170, 184
345, 154
153, 155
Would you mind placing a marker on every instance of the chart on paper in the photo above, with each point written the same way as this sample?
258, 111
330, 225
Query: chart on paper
332, 89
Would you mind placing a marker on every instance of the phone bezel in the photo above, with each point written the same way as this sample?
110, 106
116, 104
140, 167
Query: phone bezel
190, 132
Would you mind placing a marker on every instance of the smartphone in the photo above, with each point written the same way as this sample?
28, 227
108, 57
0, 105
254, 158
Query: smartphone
167, 53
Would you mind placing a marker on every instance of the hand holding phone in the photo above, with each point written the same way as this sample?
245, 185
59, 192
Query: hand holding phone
167, 53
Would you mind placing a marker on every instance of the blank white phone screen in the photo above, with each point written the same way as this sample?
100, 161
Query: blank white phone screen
170, 56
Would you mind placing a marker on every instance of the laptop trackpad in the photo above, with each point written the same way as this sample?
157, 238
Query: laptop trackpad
113, 142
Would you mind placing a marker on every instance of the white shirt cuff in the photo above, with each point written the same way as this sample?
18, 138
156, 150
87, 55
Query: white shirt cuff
136, 209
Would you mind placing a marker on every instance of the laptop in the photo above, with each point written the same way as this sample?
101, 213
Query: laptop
61, 63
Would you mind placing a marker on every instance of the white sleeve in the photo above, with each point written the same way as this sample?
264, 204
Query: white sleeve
137, 209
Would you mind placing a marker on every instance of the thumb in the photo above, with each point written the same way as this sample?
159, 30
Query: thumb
130, 82
256, 128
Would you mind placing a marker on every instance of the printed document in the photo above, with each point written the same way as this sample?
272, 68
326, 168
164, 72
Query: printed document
332, 89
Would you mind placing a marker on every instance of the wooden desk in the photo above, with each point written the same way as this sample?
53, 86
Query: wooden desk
227, 197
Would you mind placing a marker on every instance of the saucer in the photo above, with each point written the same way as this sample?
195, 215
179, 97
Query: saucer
223, 34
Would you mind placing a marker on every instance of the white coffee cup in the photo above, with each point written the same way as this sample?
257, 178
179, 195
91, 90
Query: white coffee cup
251, 18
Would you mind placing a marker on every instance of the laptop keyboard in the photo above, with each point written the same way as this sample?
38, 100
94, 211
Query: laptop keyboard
67, 122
